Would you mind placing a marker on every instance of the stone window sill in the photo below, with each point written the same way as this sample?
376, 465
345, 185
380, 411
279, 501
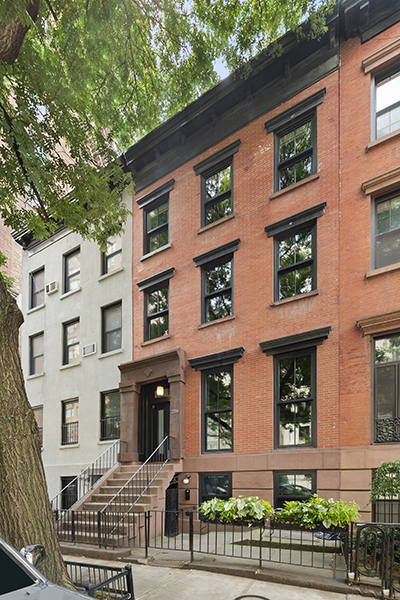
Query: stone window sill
294, 186
217, 321
159, 339
35, 309
383, 270
385, 138
295, 298
146, 256
65, 446
219, 222
111, 353
67, 294
106, 275
70, 366
35, 376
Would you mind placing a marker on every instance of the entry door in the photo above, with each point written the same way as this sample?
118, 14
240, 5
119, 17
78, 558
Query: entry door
160, 419
153, 423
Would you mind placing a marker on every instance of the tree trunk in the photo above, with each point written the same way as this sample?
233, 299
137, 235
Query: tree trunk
12, 34
25, 511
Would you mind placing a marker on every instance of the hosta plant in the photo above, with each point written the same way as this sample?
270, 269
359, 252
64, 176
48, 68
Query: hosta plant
234, 509
316, 512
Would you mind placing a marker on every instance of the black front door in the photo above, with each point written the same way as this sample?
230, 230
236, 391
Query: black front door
153, 419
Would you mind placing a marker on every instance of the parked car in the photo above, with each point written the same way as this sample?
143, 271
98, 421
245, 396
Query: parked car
18, 575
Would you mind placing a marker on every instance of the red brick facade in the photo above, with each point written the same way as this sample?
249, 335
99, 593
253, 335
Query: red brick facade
347, 287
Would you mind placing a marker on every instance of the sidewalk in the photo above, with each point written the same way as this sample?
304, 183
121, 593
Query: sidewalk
193, 583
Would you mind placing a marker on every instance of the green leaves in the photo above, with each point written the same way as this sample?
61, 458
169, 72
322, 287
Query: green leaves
317, 511
236, 509
386, 482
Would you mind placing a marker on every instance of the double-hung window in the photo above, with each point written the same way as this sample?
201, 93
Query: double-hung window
156, 218
387, 102
217, 281
217, 184
295, 143
295, 253
72, 271
36, 352
71, 342
156, 298
111, 327
295, 386
387, 231
112, 257
70, 422
110, 415
217, 398
37, 288
387, 388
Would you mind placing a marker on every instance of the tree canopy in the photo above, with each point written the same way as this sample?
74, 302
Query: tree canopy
80, 81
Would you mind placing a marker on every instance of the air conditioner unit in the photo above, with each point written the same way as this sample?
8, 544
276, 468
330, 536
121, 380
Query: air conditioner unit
52, 287
89, 349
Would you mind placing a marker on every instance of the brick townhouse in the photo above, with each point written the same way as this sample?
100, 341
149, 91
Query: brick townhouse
266, 272
263, 331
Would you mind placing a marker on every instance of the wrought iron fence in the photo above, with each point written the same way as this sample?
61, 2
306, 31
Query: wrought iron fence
102, 582
387, 430
374, 556
84, 482
110, 427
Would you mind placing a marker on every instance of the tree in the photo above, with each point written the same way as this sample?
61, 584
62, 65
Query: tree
79, 80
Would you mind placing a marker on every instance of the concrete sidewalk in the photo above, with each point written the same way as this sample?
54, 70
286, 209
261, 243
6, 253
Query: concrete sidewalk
205, 579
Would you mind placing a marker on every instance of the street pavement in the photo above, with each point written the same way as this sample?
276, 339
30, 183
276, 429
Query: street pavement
161, 583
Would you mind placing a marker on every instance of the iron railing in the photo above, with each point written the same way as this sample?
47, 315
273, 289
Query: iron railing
375, 556
84, 482
102, 582
387, 430
110, 427
69, 433
127, 498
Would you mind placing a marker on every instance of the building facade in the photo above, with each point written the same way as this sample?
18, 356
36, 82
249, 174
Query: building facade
265, 243
78, 315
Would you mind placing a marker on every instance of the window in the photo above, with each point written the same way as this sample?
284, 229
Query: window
112, 327
293, 485
217, 282
295, 386
156, 312
295, 399
70, 422
387, 231
72, 271
217, 184
386, 388
215, 485
295, 240
71, 342
38, 412
217, 398
69, 492
112, 257
156, 217
37, 288
387, 102
295, 144
36, 343
110, 415
218, 414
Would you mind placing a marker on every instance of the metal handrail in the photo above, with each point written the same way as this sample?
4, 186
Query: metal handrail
131, 492
86, 479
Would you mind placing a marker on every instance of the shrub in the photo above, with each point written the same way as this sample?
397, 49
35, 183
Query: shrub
241, 508
317, 511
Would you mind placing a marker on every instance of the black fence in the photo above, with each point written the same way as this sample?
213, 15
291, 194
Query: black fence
102, 582
69, 433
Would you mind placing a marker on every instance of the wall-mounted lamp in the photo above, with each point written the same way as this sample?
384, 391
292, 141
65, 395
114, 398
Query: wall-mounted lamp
160, 390
186, 478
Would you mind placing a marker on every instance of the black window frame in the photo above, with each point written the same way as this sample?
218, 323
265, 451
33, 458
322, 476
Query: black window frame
203, 496
375, 81
36, 294
68, 278
105, 256
279, 499
211, 166
69, 430
160, 313
104, 332
312, 400
208, 262
215, 363
66, 346
33, 357
150, 285
298, 115
376, 264
206, 413
386, 429
301, 222
150, 202
110, 426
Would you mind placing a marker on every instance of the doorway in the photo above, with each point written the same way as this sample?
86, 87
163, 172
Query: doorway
154, 410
